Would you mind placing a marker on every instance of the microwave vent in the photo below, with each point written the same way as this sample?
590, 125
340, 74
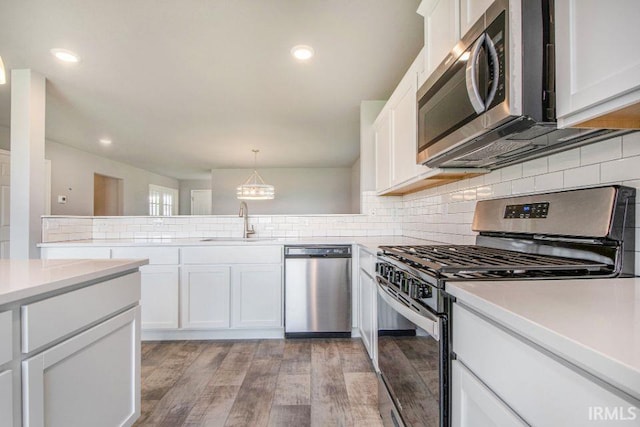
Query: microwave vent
494, 150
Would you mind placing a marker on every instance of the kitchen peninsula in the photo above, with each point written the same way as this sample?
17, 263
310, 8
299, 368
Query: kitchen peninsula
69, 342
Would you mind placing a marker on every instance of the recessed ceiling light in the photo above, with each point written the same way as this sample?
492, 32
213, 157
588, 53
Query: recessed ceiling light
302, 52
105, 141
65, 55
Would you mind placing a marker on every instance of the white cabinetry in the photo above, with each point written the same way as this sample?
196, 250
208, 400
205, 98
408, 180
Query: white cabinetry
256, 296
540, 388
160, 290
470, 12
205, 297
598, 65
91, 379
6, 398
382, 135
367, 298
441, 32
474, 404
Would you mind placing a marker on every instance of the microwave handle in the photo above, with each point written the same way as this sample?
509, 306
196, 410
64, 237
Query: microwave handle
471, 76
495, 65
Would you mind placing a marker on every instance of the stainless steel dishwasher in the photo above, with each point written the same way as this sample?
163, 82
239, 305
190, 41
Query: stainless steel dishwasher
317, 291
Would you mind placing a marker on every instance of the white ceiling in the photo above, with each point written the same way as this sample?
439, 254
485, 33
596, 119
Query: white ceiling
185, 86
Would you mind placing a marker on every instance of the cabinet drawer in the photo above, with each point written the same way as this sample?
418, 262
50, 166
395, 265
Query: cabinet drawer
53, 318
6, 337
163, 255
78, 252
367, 261
556, 393
232, 254
6, 399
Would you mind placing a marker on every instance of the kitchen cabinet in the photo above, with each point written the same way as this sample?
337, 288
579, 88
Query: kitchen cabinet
441, 32
382, 136
205, 296
367, 298
597, 64
160, 292
503, 361
6, 399
470, 12
474, 404
256, 296
92, 378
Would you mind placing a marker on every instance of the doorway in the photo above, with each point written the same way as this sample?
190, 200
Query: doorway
107, 195
200, 202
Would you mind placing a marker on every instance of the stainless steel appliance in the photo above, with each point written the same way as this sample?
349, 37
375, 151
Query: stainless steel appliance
587, 233
317, 291
492, 100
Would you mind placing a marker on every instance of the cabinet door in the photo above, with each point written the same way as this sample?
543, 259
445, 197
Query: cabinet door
205, 297
367, 311
91, 379
598, 67
403, 130
441, 31
160, 287
6, 399
257, 296
473, 404
382, 132
470, 12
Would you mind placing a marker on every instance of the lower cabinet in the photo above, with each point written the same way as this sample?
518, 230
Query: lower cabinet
256, 296
6, 399
238, 296
91, 379
205, 297
473, 404
160, 290
367, 312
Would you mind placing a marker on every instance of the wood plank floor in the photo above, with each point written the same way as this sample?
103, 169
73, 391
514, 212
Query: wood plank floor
319, 382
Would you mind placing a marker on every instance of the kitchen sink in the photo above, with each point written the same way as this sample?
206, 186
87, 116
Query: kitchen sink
238, 239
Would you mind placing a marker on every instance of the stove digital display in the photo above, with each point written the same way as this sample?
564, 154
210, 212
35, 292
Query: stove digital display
528, 211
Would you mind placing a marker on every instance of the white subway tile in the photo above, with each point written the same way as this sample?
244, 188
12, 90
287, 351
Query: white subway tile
620, 170
523, 185
511, 172
535, 167
601, 151
631, 144
586, 175
550, 181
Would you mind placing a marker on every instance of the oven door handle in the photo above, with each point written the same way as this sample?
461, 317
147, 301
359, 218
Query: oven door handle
427, 321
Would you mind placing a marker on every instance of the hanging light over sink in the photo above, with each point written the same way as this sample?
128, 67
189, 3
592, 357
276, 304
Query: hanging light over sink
254, 188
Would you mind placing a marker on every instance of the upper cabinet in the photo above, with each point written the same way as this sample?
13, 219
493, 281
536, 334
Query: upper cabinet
382, 137
441, 32
470, 12
597, 63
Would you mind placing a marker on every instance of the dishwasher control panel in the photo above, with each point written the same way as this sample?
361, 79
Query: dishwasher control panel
317, 251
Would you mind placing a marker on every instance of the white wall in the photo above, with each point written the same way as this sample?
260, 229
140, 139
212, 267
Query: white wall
355, 187
5, 143
186, 185
298, 191
72, 176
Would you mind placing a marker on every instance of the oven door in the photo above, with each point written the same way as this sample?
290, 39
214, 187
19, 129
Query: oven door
413, 388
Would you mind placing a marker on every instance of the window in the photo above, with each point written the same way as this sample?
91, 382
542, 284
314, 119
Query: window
163, 201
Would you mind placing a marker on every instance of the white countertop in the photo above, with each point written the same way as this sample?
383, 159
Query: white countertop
593, 323
20, 279
371, 242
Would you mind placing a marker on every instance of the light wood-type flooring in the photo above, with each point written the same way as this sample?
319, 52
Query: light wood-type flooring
315, 382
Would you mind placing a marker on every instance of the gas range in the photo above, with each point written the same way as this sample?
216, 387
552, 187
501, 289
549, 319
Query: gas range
582, 233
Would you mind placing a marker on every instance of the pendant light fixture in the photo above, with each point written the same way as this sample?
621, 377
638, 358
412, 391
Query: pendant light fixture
254, 188
3, 74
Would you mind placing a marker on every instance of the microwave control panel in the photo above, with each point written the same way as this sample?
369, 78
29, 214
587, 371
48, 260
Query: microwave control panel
527, 211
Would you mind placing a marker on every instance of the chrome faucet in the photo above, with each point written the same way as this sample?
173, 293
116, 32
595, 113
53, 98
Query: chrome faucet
244, 213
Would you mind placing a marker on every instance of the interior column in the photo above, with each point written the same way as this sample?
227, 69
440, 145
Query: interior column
27, 163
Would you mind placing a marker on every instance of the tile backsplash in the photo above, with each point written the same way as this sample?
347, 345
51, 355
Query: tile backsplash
442, 213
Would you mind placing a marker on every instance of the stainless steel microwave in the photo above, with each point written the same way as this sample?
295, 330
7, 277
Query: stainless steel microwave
491, 102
